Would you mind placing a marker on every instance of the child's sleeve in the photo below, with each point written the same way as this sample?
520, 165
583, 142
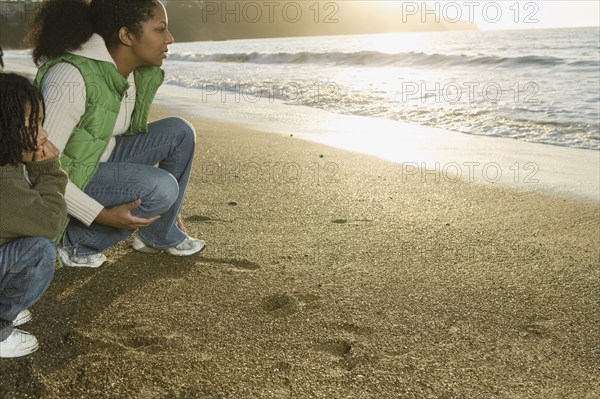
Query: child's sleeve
38, 210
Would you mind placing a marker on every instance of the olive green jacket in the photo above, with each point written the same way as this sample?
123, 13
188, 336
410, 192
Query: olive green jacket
32, 203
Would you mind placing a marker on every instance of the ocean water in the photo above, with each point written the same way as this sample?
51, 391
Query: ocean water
533, 85
528, 100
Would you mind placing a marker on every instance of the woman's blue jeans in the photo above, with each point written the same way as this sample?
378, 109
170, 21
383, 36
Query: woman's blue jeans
26, 269
130, 174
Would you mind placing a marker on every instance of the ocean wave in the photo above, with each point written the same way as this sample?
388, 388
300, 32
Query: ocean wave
589, 63
375, 58
549, 124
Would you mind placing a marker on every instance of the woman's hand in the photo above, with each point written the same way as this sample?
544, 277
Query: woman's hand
120, 217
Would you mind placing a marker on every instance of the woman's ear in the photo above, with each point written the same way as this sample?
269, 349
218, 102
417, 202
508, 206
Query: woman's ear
125, 37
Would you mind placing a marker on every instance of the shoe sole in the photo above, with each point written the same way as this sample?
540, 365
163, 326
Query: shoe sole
28, 351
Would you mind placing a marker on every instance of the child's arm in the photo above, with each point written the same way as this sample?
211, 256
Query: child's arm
38, 210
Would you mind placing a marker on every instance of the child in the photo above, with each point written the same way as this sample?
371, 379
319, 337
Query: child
32, 210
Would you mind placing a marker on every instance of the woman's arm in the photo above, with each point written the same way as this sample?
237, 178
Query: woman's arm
64, 93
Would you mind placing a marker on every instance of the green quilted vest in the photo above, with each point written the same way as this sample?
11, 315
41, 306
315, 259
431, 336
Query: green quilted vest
105, 88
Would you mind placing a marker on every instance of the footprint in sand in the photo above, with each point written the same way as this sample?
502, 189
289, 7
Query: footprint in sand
345, 352
281, 304
344, 221
202, 219
537, 329
353, 328
282, 367
307, 298
334, 347
242, 264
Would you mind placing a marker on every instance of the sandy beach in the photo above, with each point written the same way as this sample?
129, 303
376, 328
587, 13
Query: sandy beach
330, 274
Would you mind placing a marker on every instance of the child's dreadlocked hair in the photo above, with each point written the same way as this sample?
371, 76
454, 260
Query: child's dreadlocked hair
17, 97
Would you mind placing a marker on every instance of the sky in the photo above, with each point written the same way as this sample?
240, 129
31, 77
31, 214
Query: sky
512, 14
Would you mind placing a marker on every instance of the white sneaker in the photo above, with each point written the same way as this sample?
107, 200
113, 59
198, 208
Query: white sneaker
19, 343
141, 246
188, 247
23, 317
94, 260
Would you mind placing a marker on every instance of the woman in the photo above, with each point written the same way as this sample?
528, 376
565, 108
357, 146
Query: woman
99, 69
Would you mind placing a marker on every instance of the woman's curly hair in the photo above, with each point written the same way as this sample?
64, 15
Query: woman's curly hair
19, 111
64, 25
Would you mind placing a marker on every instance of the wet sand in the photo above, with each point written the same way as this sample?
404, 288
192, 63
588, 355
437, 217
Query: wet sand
330, 274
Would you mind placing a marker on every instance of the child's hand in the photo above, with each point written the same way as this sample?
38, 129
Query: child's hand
46, 151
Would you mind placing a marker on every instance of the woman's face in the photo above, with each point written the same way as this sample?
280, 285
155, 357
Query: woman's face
150, 48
